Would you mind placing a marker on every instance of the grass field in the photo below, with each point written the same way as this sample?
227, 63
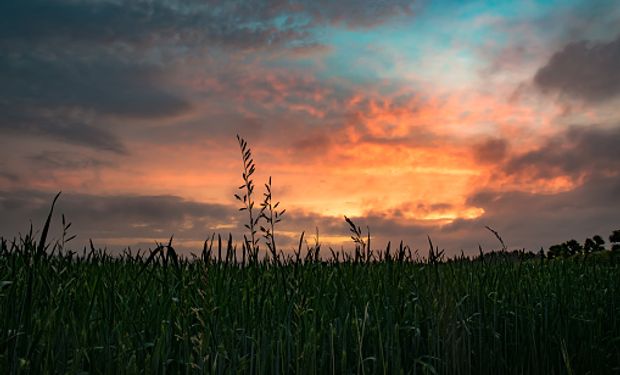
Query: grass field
93, 313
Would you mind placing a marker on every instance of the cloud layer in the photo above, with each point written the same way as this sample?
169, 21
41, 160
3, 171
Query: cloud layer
413, 118
584, 70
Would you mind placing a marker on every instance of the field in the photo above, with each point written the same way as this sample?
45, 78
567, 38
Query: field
156, 313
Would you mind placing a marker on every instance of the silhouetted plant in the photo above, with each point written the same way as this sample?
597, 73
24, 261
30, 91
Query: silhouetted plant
65, 237
499, 238
247, 198
313, 252
272, 217
362, 248
435, 256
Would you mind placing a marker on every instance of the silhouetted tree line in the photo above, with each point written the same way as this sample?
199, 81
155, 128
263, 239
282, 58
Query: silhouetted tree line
590, 245
517, 255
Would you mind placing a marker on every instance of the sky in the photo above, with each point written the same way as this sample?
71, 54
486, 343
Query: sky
413, 118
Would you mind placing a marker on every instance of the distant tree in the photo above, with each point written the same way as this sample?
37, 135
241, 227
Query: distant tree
574, 247
614, 239
594, 244
615, 236
600, 243
559, 250
589, 245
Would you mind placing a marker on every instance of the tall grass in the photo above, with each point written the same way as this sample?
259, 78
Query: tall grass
375, 311
162, 314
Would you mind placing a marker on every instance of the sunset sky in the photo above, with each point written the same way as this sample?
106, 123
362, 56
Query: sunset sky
411, 117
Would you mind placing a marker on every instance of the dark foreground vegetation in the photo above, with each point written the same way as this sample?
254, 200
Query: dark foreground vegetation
157, 313
233, 309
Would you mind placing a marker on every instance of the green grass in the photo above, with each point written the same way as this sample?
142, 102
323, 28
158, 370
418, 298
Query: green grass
159, 314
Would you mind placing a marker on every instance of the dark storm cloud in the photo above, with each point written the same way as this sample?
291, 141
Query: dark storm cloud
576, 152
137, 22
528, 219
103, 85
595, 192
115, 215
532, 37
60, 98
60, 127
584, 70
235, 23
589, 156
